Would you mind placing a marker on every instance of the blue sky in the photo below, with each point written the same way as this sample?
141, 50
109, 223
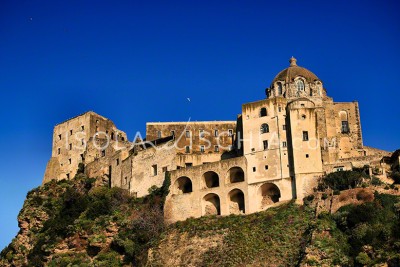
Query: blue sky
135, 62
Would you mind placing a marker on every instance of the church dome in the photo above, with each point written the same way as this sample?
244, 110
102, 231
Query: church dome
287, 75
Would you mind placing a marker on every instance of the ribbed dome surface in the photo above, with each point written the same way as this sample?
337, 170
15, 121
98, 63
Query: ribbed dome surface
290, 73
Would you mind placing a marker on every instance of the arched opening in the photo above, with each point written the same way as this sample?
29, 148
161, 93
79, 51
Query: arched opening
300, 85
263, 112
211, 204
236, 202
235, 175
183, 185
211, 179
264, 128
279, 88
270, 194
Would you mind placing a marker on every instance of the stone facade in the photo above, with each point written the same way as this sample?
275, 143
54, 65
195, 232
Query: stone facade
275, 151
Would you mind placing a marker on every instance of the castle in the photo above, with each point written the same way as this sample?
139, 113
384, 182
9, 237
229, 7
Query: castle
274, 151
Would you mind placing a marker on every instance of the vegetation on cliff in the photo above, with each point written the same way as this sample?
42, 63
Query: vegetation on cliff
74, 223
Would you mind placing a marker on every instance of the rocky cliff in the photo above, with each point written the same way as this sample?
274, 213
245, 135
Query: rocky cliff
74, 223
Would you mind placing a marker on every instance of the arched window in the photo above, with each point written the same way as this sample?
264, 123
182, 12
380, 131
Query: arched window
279, 88
300, 85
263, 112
183, 185
264, 128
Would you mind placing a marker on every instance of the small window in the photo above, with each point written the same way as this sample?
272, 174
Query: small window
112, 136
264, 128
69, 160
154, 168
305, 135
188, 164
103, 153
117, 161
187, 134
284, 144
58, 151
263, 112
216, 148
70, 132
266, 167
122, 138
230, 132
216, 133
59, 137
158, 134
279, 88
300, 85
202, 149
302, 105
284, 127
265, 144
82, 128
187, 149
254, 169
279, 109
307, 156
70, 146
164, 169
345, 127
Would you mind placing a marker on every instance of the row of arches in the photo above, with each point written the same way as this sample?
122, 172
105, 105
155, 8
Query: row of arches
211, 204
210, 179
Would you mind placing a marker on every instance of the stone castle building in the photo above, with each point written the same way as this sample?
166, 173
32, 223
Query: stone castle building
274, 151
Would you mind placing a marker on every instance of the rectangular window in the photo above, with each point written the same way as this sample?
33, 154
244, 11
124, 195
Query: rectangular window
345, 127
188, 164
230, 132
103, 153
284, 127
83, 142
82, 128
307, 156
59, 137
216, 148
254, 169
164, 169
284, 144
158, 134
70, 146
70, 132
265, 144
154, 168
117, 161
69, 160
216, 133
266, 167
187, 134
58, 151
187, 149
305, 135
202, 149
279, 109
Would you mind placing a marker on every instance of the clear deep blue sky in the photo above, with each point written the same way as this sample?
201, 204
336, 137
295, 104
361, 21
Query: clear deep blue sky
135, 62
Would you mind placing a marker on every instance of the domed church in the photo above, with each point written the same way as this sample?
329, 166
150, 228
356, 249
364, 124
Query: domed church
275, 151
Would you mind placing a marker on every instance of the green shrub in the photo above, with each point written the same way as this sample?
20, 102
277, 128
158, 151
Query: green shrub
341, 180
376, 181
324, 196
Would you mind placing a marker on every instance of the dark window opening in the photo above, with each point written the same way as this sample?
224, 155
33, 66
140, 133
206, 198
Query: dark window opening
103, 153
305, 135
265, 144
264, 128
266, 167
345, 127
254, 169
263, 112
154, 167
